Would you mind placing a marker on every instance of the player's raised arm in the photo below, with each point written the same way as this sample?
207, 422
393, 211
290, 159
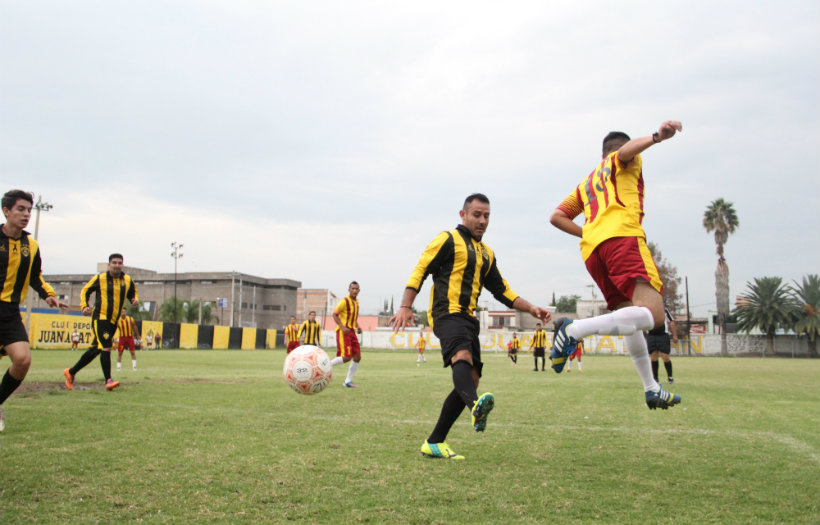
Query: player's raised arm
634, 147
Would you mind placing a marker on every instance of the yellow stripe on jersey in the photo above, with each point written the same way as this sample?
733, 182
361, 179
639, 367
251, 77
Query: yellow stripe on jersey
539, 339
111, 295
292, 331
348, 312
649, 263
461, 267
126, 326
20, 267
312, 332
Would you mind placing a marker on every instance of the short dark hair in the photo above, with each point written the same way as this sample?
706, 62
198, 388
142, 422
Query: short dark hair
352, 283
312, 312
13, 196
613, 141
115, 256
480, 197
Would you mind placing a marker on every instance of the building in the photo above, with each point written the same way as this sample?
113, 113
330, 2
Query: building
319, 300
237, 299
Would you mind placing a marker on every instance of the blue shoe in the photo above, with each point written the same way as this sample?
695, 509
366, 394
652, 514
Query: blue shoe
481, 409
562, 345
349, 384
661, 399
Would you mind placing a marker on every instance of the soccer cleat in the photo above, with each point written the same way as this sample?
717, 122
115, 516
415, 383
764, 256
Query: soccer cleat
562, 345
110, 384
671, 381
119, 367
349, 384
661, 399
2, 420
69, 379
481, 409
439, 450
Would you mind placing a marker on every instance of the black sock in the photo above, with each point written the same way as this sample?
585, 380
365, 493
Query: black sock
84, 359
452, 408
7, 386
655, 370
105, 364
463, 382
668, 366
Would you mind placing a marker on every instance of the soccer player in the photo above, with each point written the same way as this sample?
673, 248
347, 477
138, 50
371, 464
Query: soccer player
461, 266
112, 289
346, 316
75, 339
613, 245
311, 330
20, 267
157, 341
657, 340
422, 344
515, 344
576, 354
292, 334
128, 330
538, 345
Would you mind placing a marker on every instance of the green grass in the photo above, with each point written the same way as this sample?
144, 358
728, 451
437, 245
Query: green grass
217, 437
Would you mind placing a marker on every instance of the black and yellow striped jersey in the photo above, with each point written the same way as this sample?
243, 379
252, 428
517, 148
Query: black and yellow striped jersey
515, 344
112, 292
20, 266
312, 331
539, 339
461, 267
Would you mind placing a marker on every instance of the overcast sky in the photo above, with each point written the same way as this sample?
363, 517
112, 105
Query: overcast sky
330, 141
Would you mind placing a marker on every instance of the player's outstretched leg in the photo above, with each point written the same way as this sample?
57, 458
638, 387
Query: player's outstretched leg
562, 345
481, 409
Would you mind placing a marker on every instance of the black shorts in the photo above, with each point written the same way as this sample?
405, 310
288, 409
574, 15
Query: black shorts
459, 332
658, 343
538, 352
12, 329
103, 333
513, 351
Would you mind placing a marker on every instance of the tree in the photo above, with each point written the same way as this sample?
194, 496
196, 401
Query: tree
767, 304
138, 312
191, 310
720, 217
172, 310
807, 296
671, 282
553, 300
567, 303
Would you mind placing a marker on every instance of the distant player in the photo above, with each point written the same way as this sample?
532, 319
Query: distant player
613, 245
292, 334
422, 344
20, 267
128, 331
157, 340
311, 330
346, 316
149, 339
539, 345
657, 340
576, 354
512, 349
112, 288
75, 339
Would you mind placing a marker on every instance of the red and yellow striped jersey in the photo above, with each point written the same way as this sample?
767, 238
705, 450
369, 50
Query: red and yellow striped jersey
611, 198
20, 268
126, 327
312, 331
348, 312
292, 332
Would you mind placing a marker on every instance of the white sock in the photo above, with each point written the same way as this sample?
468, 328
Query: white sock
352, 371
620, 322
580, 366
337, 361
636, 344
133, 363
569, 365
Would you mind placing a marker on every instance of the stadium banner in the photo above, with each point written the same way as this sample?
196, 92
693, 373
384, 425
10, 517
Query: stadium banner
188, 335
149, 332
221, 337
271, 339
54, 330
248, 338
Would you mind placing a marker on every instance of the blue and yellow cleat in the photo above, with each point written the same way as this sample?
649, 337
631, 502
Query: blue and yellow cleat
439, 450
661, 399
481, 409
562, 345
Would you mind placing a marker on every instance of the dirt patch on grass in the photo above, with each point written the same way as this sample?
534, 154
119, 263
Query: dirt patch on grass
33, 387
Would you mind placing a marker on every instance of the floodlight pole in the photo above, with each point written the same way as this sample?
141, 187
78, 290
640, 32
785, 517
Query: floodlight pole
176, 254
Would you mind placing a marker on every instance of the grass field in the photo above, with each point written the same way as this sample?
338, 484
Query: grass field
217, 437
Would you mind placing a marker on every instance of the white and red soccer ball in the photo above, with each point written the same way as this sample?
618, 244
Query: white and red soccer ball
307, 370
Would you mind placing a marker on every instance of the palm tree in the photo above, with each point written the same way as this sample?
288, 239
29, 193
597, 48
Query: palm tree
192, 311
172, 310
808, 321
769, 305
721, 218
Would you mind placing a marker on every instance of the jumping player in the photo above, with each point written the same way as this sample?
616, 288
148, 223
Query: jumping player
613, 245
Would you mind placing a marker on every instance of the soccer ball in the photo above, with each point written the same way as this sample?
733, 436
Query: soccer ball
307, 370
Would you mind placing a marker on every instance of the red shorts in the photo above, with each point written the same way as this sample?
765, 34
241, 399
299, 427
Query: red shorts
347, 345
125, 342
576, 353
616, 264
292, 345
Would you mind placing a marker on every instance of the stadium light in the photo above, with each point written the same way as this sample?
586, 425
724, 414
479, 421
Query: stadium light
176, 254
39, 206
